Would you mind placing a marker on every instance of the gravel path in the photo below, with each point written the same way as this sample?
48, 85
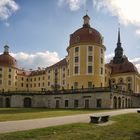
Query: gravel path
12, 126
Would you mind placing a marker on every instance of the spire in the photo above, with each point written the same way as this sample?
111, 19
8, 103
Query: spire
119, 39
118, 58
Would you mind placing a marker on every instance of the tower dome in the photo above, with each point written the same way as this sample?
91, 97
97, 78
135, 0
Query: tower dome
6, 59
86, 34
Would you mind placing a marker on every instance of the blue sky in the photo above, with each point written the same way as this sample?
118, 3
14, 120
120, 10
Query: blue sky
37, 31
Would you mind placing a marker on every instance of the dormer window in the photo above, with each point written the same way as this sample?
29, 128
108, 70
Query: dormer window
77, 40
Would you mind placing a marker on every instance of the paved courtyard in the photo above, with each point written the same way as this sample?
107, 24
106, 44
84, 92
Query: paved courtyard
12, 126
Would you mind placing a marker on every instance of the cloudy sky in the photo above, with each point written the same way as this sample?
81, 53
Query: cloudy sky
37, 31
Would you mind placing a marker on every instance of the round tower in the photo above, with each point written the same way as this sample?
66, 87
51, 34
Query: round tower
85, 57
8, 68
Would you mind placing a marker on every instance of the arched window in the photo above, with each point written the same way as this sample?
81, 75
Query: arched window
27, 102
7, 102
113, 81
115, 102
120, 80
129, 83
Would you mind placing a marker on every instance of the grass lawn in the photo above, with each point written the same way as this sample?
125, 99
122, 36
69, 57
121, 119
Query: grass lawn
9, 114
126, 127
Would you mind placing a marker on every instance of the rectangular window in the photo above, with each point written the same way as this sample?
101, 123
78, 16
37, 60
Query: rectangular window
9, 76
101, 71
89, 69
64, 75
9, 83
101, 51
27, 79
76, 69
77, 49
49, 77
0, 75
27, 85
68, 71
22, 78
89, 84
10, 70
99, 103
43, 84
0, 69
38, 84
48, 83
34, 84
43, 78
49, 71
90, 48
89, 58
34, 79
76, 102
38, 78
0, 82
21, 84
66, 103
101, 60
76, 59
75, 85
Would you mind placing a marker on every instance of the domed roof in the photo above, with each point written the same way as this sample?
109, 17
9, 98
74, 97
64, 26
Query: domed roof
6, 59
86, 34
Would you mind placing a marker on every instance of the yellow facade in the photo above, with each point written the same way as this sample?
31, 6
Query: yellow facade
8, 79
83, 78
84, 67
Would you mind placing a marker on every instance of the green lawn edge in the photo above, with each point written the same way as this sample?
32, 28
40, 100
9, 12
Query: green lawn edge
125, 127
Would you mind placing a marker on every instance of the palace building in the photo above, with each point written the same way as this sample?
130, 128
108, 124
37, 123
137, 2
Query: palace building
81, 80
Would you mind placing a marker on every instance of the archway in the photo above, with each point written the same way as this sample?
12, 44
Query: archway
27, 102
7, 102
1, 102
115, 102
126, 103
123, 105
129, 103
119, 102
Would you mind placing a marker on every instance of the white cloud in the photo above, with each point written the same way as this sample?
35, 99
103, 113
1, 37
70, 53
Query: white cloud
136, 61
7, 8
138, 32
109, 57
126, 10
38, 59
73, 4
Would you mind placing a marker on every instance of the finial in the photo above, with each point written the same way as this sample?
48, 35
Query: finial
86, 12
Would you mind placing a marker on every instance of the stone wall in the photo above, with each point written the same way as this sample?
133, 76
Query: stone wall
71, 100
